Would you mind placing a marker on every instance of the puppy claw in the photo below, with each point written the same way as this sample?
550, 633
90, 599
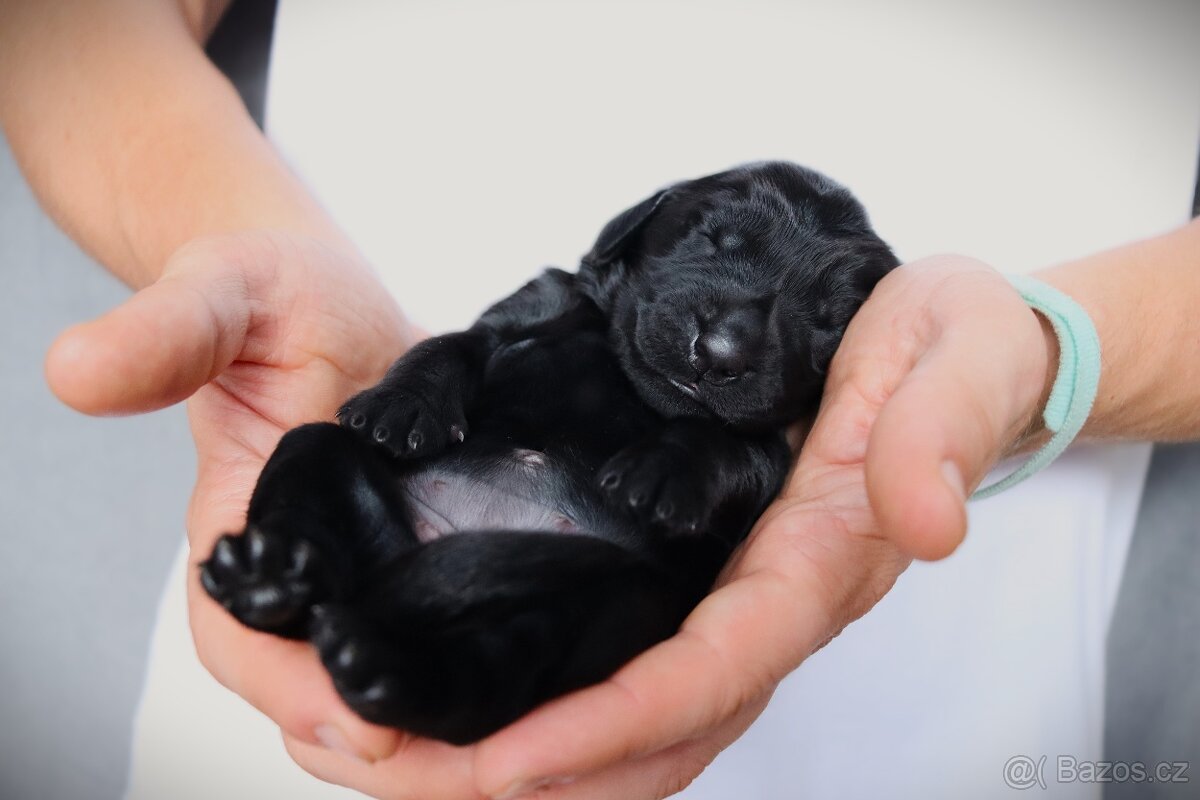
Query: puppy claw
407, 421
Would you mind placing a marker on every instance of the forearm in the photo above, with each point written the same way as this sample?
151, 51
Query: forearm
1144, 299
131, 138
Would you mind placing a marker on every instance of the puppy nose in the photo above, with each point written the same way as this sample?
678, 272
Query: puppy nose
717, 357
727, 346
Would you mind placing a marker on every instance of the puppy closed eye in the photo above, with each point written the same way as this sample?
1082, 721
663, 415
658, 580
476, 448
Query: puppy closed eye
822, 345
730, 240
723, 240
835, 302
824, 316
832, 314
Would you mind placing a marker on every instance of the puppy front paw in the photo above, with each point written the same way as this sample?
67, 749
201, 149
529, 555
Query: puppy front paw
660, 484
267, 581
406, 421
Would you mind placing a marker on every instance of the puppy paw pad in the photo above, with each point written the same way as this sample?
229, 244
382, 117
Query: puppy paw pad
266, 581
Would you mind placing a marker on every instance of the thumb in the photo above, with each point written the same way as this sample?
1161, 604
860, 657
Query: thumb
155, 349
950, 418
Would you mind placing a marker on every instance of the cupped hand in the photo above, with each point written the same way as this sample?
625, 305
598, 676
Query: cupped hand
263, 331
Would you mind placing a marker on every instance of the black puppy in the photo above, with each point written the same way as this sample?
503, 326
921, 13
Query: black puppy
518, 509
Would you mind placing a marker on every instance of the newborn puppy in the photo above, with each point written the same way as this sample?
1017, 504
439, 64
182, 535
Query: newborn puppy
518, 509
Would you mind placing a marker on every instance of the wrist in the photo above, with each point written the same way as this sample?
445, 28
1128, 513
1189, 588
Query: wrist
1034, 433
1141, 298
1077, 377
206, 170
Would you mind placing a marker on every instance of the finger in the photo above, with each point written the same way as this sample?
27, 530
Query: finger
650, 778
420, 769
427, 770
949, 420
662, 774
158, 347
727, 654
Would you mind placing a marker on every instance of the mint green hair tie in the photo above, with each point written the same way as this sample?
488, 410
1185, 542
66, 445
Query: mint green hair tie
1074, 389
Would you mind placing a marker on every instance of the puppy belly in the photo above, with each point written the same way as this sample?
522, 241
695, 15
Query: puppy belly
521, 492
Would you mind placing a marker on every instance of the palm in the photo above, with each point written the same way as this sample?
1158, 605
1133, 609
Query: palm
820, 541
823, 527
310, 327
315, 328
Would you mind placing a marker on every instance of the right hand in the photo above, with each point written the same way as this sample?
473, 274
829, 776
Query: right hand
263, 332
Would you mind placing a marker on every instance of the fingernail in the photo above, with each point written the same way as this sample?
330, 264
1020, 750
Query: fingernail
523, 788
954, 479
333, 739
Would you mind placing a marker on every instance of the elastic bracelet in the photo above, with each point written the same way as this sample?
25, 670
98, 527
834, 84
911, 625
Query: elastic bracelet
1074, 389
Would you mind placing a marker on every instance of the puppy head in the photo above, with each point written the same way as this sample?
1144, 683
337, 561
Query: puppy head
728, 294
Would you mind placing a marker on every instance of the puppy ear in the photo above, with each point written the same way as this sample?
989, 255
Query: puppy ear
616, 235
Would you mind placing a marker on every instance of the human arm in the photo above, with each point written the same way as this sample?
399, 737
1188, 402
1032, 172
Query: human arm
142, 151
1143, 298
131, 138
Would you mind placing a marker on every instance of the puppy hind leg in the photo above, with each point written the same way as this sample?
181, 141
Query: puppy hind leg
337, 490
472, 631
266, 578
323, 508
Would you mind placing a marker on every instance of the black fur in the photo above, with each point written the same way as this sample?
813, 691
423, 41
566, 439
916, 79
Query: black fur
518, 509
